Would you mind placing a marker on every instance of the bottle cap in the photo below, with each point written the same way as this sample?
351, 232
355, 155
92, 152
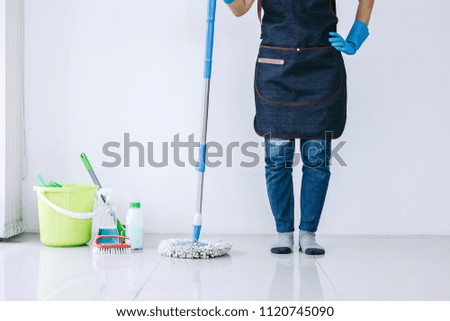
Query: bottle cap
135, 205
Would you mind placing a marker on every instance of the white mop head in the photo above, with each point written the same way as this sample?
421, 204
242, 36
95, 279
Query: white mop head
213, 249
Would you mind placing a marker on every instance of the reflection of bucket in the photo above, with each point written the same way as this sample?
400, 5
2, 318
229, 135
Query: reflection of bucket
67, 275
65, 214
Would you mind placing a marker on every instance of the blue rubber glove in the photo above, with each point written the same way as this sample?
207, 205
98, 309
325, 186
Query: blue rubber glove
228, 1
358, 34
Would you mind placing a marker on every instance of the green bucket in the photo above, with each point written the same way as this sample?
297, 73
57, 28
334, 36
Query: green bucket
65, 214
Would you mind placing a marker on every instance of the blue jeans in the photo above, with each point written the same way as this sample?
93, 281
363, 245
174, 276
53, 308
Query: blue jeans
279, 158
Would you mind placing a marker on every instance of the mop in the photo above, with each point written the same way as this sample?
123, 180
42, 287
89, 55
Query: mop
194, 249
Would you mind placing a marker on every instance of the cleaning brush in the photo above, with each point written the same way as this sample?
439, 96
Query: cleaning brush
111, 248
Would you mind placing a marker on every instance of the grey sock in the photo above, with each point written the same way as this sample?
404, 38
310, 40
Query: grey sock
284, 244
308, 244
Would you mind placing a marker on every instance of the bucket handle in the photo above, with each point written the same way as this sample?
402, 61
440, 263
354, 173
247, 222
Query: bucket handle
80, 216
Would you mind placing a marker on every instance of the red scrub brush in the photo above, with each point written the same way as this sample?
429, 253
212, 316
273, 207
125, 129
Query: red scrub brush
121, 247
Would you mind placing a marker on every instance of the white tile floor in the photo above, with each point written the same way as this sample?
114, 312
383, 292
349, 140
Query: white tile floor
354, 268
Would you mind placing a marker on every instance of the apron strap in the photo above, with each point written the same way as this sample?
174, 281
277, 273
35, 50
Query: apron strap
259, 11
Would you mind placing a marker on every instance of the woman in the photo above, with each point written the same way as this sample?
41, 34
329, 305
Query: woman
300, 92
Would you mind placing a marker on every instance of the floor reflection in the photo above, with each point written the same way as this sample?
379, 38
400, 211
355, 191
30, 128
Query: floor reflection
283, 286
65, 275
309, 279
196, 268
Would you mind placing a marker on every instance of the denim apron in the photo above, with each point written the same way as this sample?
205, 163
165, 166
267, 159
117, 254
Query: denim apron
300, 80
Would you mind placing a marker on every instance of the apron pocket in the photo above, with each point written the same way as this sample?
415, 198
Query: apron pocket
305, 77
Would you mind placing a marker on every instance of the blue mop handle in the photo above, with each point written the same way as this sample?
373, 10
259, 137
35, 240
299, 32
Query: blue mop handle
209, 37
211, 17
202, 158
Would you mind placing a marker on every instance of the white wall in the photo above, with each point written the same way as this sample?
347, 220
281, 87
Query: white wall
96, 69
2, 111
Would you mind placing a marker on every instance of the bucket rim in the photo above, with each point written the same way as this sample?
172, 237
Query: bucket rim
67, 187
